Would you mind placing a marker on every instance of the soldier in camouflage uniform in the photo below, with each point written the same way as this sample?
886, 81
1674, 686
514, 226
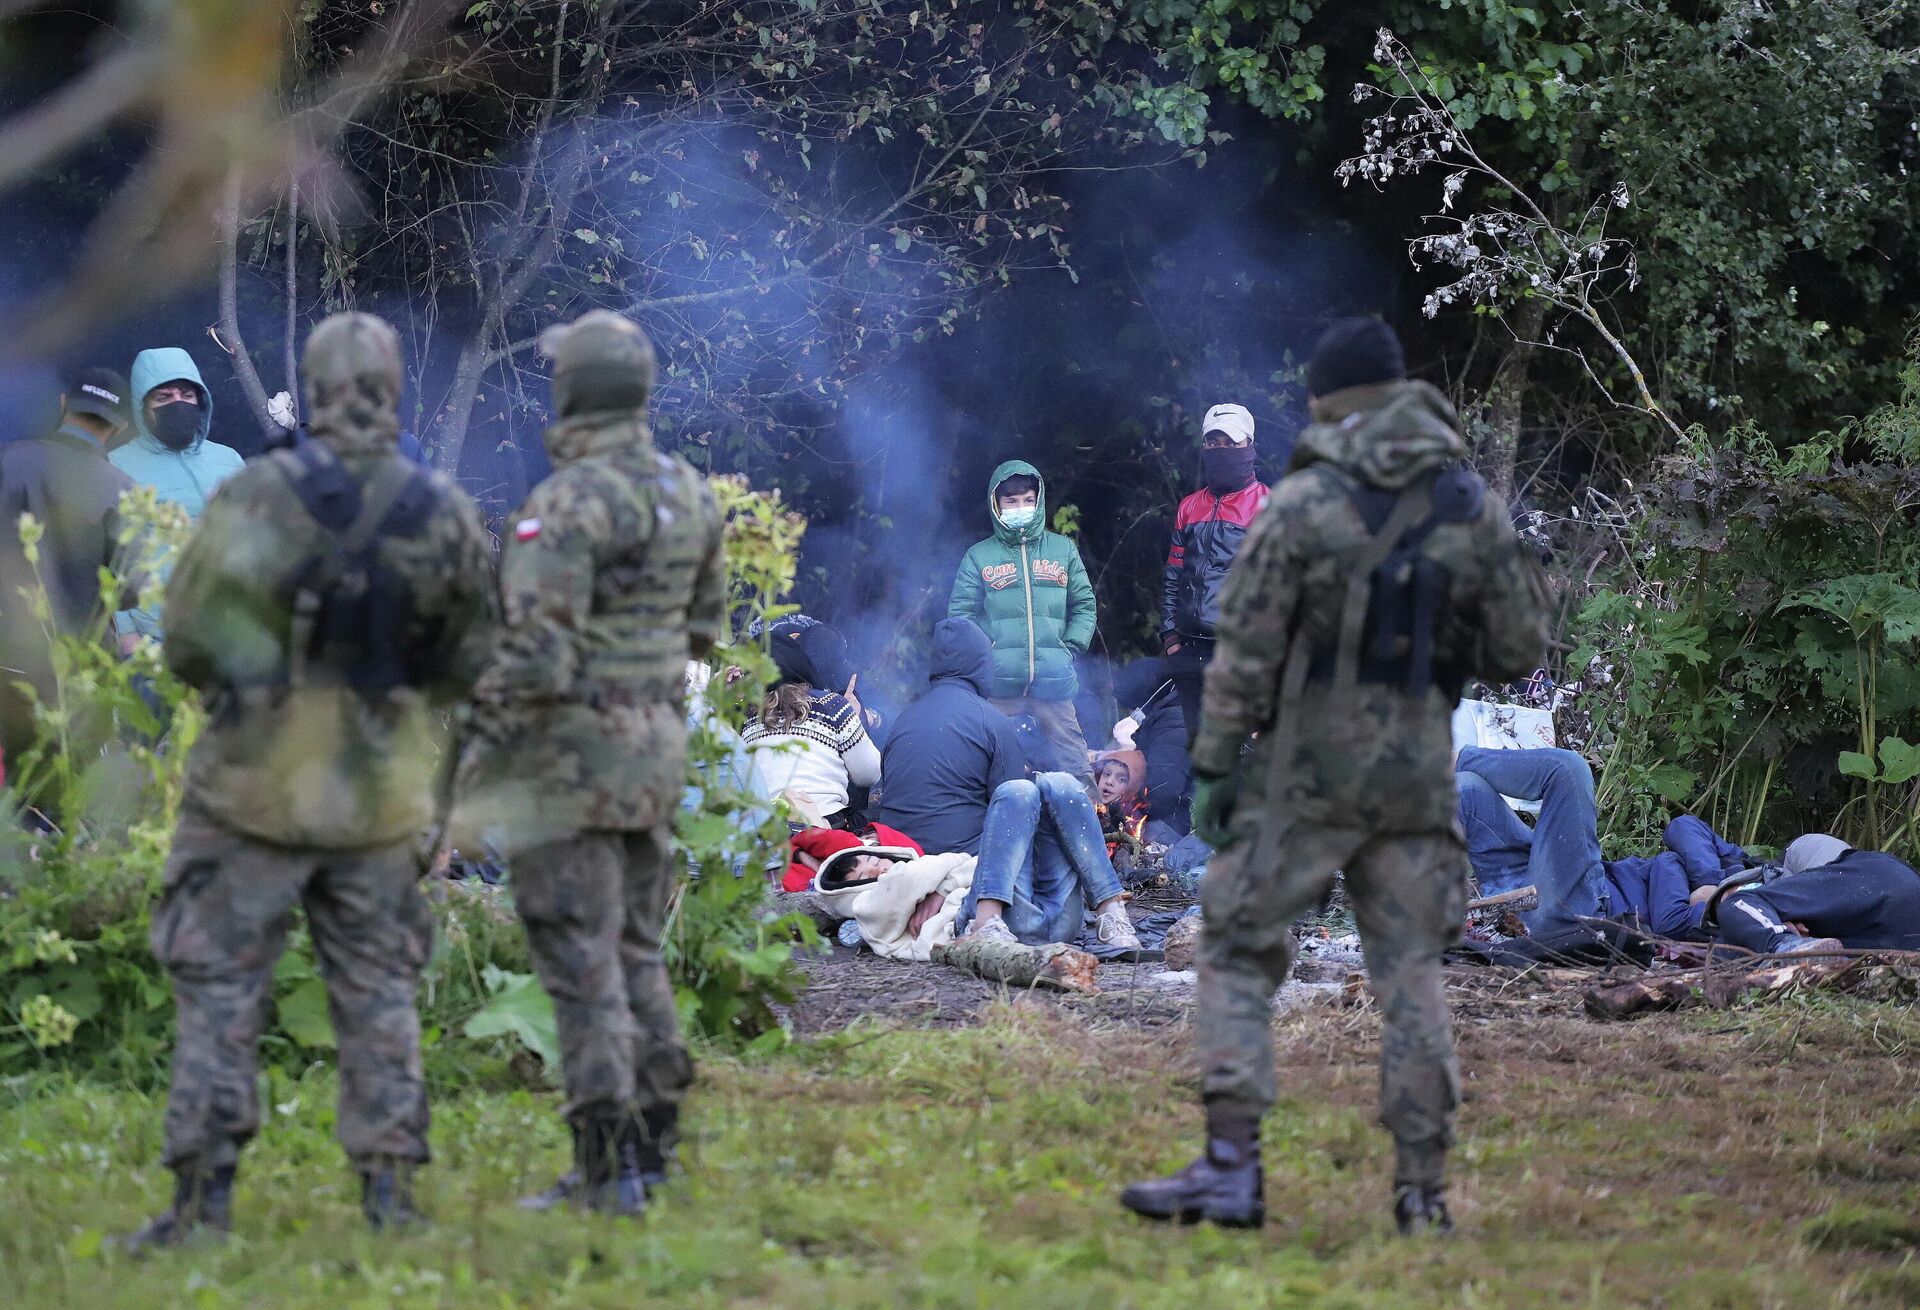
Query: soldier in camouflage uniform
330, 603
612, 577
1380, 576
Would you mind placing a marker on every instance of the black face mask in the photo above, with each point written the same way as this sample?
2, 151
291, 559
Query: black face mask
1227, 468
175, 425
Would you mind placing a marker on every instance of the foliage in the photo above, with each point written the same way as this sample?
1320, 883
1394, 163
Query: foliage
1760, 632
79, 988
951, 1168
1247, 50
1513, 250
96, 795
780, 194
1770, 288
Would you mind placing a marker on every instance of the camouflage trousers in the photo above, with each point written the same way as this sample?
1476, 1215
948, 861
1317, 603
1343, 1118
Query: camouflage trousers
1409, 896
220, 927
594, 907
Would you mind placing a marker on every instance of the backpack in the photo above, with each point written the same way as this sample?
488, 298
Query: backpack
354, 621
1396, 593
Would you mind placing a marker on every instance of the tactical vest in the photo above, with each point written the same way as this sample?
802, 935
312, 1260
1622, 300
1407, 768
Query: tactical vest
353, 622
1395, 594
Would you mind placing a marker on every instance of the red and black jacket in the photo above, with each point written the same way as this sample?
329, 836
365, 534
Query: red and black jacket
1206, 535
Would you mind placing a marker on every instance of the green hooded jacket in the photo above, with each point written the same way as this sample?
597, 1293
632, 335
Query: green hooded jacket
1028, 589
1366, 755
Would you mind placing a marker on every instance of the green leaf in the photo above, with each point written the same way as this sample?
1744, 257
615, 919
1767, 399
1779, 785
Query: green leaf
1671, 782
520, 1008
1899, 762
1856, 765
303, 1016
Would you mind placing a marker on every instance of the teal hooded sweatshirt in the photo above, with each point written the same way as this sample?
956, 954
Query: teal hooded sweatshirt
181, 477
1028, 589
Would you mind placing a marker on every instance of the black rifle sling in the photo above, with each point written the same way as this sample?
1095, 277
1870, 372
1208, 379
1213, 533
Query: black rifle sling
355, 515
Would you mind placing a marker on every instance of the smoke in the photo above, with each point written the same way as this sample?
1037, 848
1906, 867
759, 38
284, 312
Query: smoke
1194, 288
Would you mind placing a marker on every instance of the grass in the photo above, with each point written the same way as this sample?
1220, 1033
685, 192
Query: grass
1762, 1158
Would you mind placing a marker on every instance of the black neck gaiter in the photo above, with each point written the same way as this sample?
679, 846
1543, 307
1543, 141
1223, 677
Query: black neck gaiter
1227, 468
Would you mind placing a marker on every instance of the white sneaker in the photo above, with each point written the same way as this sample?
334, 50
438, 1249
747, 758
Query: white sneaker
991, 930
1113, 928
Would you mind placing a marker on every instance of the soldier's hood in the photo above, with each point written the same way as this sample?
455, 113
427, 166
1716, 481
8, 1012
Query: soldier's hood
1384, 433
351, 371
586, 435
1034, 530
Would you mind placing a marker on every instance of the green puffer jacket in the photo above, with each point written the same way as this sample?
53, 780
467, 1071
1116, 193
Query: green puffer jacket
1029, 590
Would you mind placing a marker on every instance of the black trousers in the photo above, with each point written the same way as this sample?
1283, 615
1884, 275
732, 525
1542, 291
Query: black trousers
1867, 900
1187, 670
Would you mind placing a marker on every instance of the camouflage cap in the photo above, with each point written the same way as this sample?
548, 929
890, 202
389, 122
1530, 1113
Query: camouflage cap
352, 368
601, 361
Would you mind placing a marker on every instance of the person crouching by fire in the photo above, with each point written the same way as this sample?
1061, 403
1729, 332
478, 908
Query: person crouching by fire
1028, 589
1119, 779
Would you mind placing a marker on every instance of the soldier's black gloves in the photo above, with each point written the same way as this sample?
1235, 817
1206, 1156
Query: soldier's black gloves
1214, 800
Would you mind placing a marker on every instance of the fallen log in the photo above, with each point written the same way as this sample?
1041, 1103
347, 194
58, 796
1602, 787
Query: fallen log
1715, 989
1056, 965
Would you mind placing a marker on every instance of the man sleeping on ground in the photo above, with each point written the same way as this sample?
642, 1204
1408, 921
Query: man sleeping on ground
1826, 896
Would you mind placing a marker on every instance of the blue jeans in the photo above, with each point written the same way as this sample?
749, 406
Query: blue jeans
1560, 854
1043, 857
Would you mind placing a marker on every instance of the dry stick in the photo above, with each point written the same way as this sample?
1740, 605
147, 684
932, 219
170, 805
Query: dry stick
292, 353
236, 343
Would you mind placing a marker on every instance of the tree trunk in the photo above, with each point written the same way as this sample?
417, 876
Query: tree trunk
234, 341
1506, 397
456, 415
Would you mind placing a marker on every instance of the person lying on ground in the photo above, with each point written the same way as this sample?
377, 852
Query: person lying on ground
807, 743
1028, 589
954, 776
1830, 897
813, 847
905, 903
1560, 854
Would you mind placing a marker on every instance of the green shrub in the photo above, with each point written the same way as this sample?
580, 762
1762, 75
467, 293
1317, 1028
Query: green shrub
1759, 630
80, 990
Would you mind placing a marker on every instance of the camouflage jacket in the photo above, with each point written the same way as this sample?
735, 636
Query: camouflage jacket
612, 577
317, 764
1366, 755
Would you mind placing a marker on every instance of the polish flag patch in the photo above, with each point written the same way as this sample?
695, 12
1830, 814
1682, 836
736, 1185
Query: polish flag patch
526, 529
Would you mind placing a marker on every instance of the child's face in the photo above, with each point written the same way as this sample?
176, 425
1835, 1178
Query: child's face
865, 868
1019, 500
1112, 783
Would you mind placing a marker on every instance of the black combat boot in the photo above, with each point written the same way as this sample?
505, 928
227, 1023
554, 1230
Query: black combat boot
1421, 1211
386, 1195
609, 1165
202, 1206
565, 1188
658, 1129
1225, 1185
